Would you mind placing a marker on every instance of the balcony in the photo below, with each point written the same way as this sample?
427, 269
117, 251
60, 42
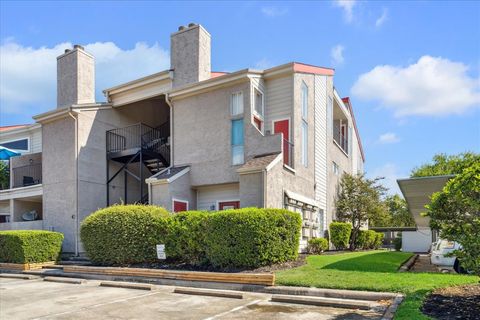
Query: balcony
340, 137
28, 175
288, 152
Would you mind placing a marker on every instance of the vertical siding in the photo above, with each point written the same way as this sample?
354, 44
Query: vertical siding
208, 196
278, 100
321, 143
36, 141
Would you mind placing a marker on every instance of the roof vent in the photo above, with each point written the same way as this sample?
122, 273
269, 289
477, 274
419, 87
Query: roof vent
192, 24
77, 46
181, 28
67, 50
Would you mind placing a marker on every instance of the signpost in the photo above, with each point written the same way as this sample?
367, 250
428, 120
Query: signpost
161, 252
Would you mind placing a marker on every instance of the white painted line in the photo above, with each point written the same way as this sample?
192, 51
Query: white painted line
233, 310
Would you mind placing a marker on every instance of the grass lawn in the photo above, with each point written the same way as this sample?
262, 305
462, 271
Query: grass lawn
372, 270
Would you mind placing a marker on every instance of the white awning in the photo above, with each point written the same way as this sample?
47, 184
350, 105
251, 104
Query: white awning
300, 198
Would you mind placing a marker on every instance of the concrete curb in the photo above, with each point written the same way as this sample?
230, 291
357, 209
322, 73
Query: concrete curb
126, 285
18, 276
322, 301
330, 293
392, 308
210, 292
64, 280
408, 264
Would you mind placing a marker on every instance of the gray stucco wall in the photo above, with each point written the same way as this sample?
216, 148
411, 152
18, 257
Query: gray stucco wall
163, 194
251, 190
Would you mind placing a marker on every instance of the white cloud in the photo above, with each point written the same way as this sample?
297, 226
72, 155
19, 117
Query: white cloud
263, 64
389, 172
347, 6
274, 11
388, 137
336, 54
28, 75
381, 20
432, 86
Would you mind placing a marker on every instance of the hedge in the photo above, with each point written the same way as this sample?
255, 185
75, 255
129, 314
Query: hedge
378, 240
369, 239
252, 237
186, 237
30, 246
340, 234
124, 234
317, 245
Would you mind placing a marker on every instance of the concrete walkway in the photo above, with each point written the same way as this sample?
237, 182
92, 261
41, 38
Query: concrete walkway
39, 299
422, 264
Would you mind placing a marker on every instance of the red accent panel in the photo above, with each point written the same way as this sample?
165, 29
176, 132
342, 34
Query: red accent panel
283, 126
234, 204
301, 67
179, 206
258, 123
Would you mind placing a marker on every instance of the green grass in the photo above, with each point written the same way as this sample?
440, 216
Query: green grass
375, 271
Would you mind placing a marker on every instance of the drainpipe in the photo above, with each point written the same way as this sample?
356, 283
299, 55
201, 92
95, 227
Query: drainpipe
264, 172
77, 222
169, 102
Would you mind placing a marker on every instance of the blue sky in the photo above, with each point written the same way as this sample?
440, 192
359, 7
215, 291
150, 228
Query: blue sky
411, 68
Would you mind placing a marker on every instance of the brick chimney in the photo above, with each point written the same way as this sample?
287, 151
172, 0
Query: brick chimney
75, 77
190, 55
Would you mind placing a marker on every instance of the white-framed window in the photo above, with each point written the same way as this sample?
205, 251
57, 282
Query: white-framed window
17, 145
336, 168
237, 142
304, 101
304, 143
258, 100
236, 103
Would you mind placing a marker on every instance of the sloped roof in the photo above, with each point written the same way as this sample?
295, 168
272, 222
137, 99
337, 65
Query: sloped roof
259, 162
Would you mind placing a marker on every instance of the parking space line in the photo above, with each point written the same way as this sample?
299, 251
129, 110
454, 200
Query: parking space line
98, 305
233, 310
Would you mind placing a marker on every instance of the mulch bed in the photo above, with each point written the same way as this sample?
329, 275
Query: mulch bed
187, 267
460, 302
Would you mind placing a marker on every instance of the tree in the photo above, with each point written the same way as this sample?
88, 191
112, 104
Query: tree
455, 212
358, 201
4, 175
398, 210
446, 164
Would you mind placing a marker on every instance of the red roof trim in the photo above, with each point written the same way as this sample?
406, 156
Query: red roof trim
346, 100
302, 67
6, 128
215, 74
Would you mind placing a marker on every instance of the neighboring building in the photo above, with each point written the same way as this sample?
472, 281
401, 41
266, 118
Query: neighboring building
190, 138
417, 193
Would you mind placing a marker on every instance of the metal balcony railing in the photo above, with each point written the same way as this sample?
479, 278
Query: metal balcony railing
288, 153
138, 136
28, 175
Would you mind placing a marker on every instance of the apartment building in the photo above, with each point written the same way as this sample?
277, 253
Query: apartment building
191, 138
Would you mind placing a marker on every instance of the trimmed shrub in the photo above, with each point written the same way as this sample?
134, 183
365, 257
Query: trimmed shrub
30, 246
252, 237
397, 242
361, 240
124, 234
317, 245
186, 238
378, 240
371, 235
340, 234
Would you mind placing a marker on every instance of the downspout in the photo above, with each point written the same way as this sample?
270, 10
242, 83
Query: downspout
77, 221
264, 172
169, 102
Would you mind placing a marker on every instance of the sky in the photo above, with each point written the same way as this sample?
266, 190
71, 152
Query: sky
411, 69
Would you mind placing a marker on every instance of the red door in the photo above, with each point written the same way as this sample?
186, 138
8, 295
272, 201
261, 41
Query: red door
179, 206
283, 126
228, 205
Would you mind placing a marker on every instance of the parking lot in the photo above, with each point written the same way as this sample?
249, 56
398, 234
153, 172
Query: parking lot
38, 299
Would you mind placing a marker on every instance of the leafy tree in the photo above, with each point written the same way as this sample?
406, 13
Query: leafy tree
455, 212
359, 200
398, 210
446, 164
4, 175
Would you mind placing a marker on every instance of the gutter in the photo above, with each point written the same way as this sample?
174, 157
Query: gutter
77, 220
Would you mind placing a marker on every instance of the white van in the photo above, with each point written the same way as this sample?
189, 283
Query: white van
438, 258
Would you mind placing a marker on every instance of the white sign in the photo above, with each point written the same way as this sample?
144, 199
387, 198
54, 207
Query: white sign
161, 252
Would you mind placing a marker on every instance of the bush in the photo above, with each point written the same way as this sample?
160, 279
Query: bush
371, 236
378, 240
397, 242
252, 237
361, 240
30, 246
340, 234
124, 234
186, 239
317, 245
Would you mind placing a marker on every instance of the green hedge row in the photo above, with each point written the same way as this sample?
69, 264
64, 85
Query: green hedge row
243, 238
30, 246
369, 239
317, 245
340, 234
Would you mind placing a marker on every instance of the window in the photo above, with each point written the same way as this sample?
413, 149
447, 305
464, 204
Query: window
304, 101
21, 144
336, 168
236, 104
258, 101
237, 142
304, 143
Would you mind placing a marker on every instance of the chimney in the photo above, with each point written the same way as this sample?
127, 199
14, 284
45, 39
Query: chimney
190, 55
75, 77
